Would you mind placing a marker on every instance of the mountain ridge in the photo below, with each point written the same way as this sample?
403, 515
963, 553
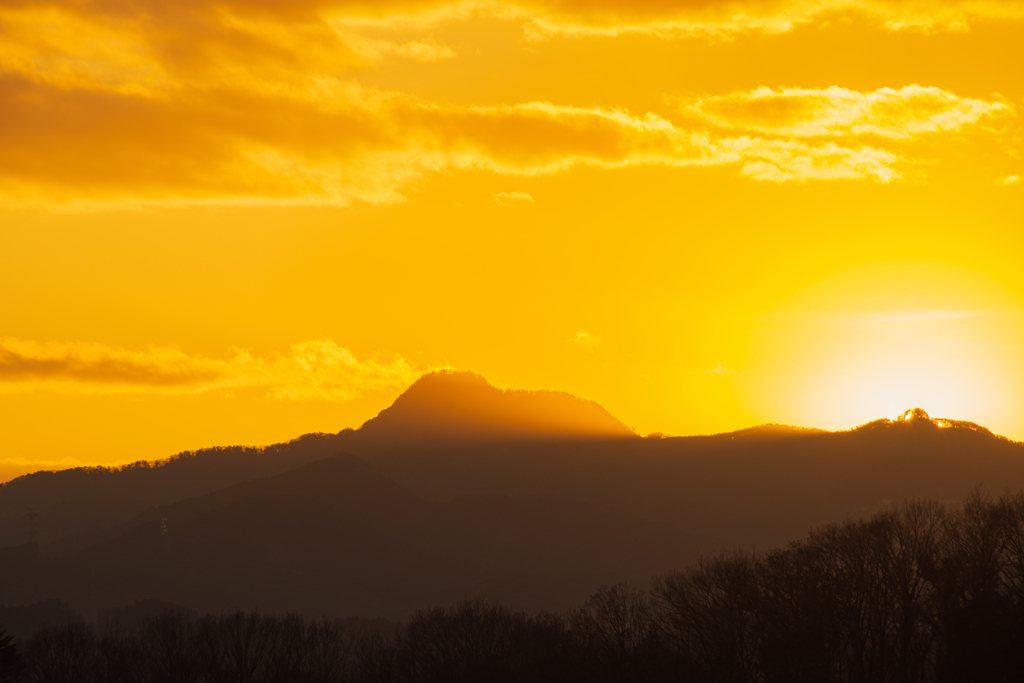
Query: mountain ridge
336, 537
417, 442
484, 489
607, 426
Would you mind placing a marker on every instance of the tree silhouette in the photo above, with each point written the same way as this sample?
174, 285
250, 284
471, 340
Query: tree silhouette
63, 654
10, 658
916, 594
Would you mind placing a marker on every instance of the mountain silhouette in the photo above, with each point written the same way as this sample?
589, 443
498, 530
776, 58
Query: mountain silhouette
78, 505
762, 487
444, 408
440, 410
335, 537
460, 488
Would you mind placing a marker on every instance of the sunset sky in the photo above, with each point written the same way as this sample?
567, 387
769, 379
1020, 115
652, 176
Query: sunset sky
236, 222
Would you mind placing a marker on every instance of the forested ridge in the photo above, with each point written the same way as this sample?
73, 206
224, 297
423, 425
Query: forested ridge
917, 593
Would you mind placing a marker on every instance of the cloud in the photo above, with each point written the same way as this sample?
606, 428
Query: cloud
588, 340
724, 19
893, 318
321, 369
334, 142
130, 104
318, 369
720, 370
787, 160
918, 317
681, 19
27, 361
794, 112
510, 198
376, 49
1009, 180
133, 45
727, 19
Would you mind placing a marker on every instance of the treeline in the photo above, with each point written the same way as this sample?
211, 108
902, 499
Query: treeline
918, 594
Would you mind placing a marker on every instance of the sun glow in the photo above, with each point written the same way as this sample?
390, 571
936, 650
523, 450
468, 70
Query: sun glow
893, 343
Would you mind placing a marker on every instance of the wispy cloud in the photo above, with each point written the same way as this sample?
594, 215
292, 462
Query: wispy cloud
576, 19
137, 45
1009, 180
510, 198
835, 111
916, 317
588, 340
27, 361
318, 369
908, 318
730, 18
355, 145
376, 49
720, 370
788, 160
103, 107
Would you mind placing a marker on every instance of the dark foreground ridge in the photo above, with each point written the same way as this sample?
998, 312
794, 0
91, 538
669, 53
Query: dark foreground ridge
916, 593
533, 499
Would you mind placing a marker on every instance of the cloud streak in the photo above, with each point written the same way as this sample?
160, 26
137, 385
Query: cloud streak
588, 340
336, 142
153, 46
136, 104
897, 114
680, 20
510, 198
675, 19
317, 369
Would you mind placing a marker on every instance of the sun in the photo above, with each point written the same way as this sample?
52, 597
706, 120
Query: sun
877, 341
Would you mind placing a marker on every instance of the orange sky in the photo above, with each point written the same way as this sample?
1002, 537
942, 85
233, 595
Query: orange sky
237, 222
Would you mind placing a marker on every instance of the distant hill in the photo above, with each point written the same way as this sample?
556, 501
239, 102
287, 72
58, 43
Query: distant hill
440, 410
749, 489
72, 505
460, 488
445, 408
334, 537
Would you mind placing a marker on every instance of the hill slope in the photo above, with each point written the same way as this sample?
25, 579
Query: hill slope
746, 489
458, 489
334, 537
439, 410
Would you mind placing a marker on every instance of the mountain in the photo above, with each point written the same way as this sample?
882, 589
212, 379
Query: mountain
439, 410
759, 489
446, 408
72, 505
460, 488
335, 537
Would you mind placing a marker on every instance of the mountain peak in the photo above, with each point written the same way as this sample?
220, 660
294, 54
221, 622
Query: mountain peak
912, 414
917, 419
464, 406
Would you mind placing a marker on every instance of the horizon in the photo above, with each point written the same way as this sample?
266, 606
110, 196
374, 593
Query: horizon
239, 222
904, 416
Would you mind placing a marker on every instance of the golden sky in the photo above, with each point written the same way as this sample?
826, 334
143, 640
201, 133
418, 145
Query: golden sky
239, 221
